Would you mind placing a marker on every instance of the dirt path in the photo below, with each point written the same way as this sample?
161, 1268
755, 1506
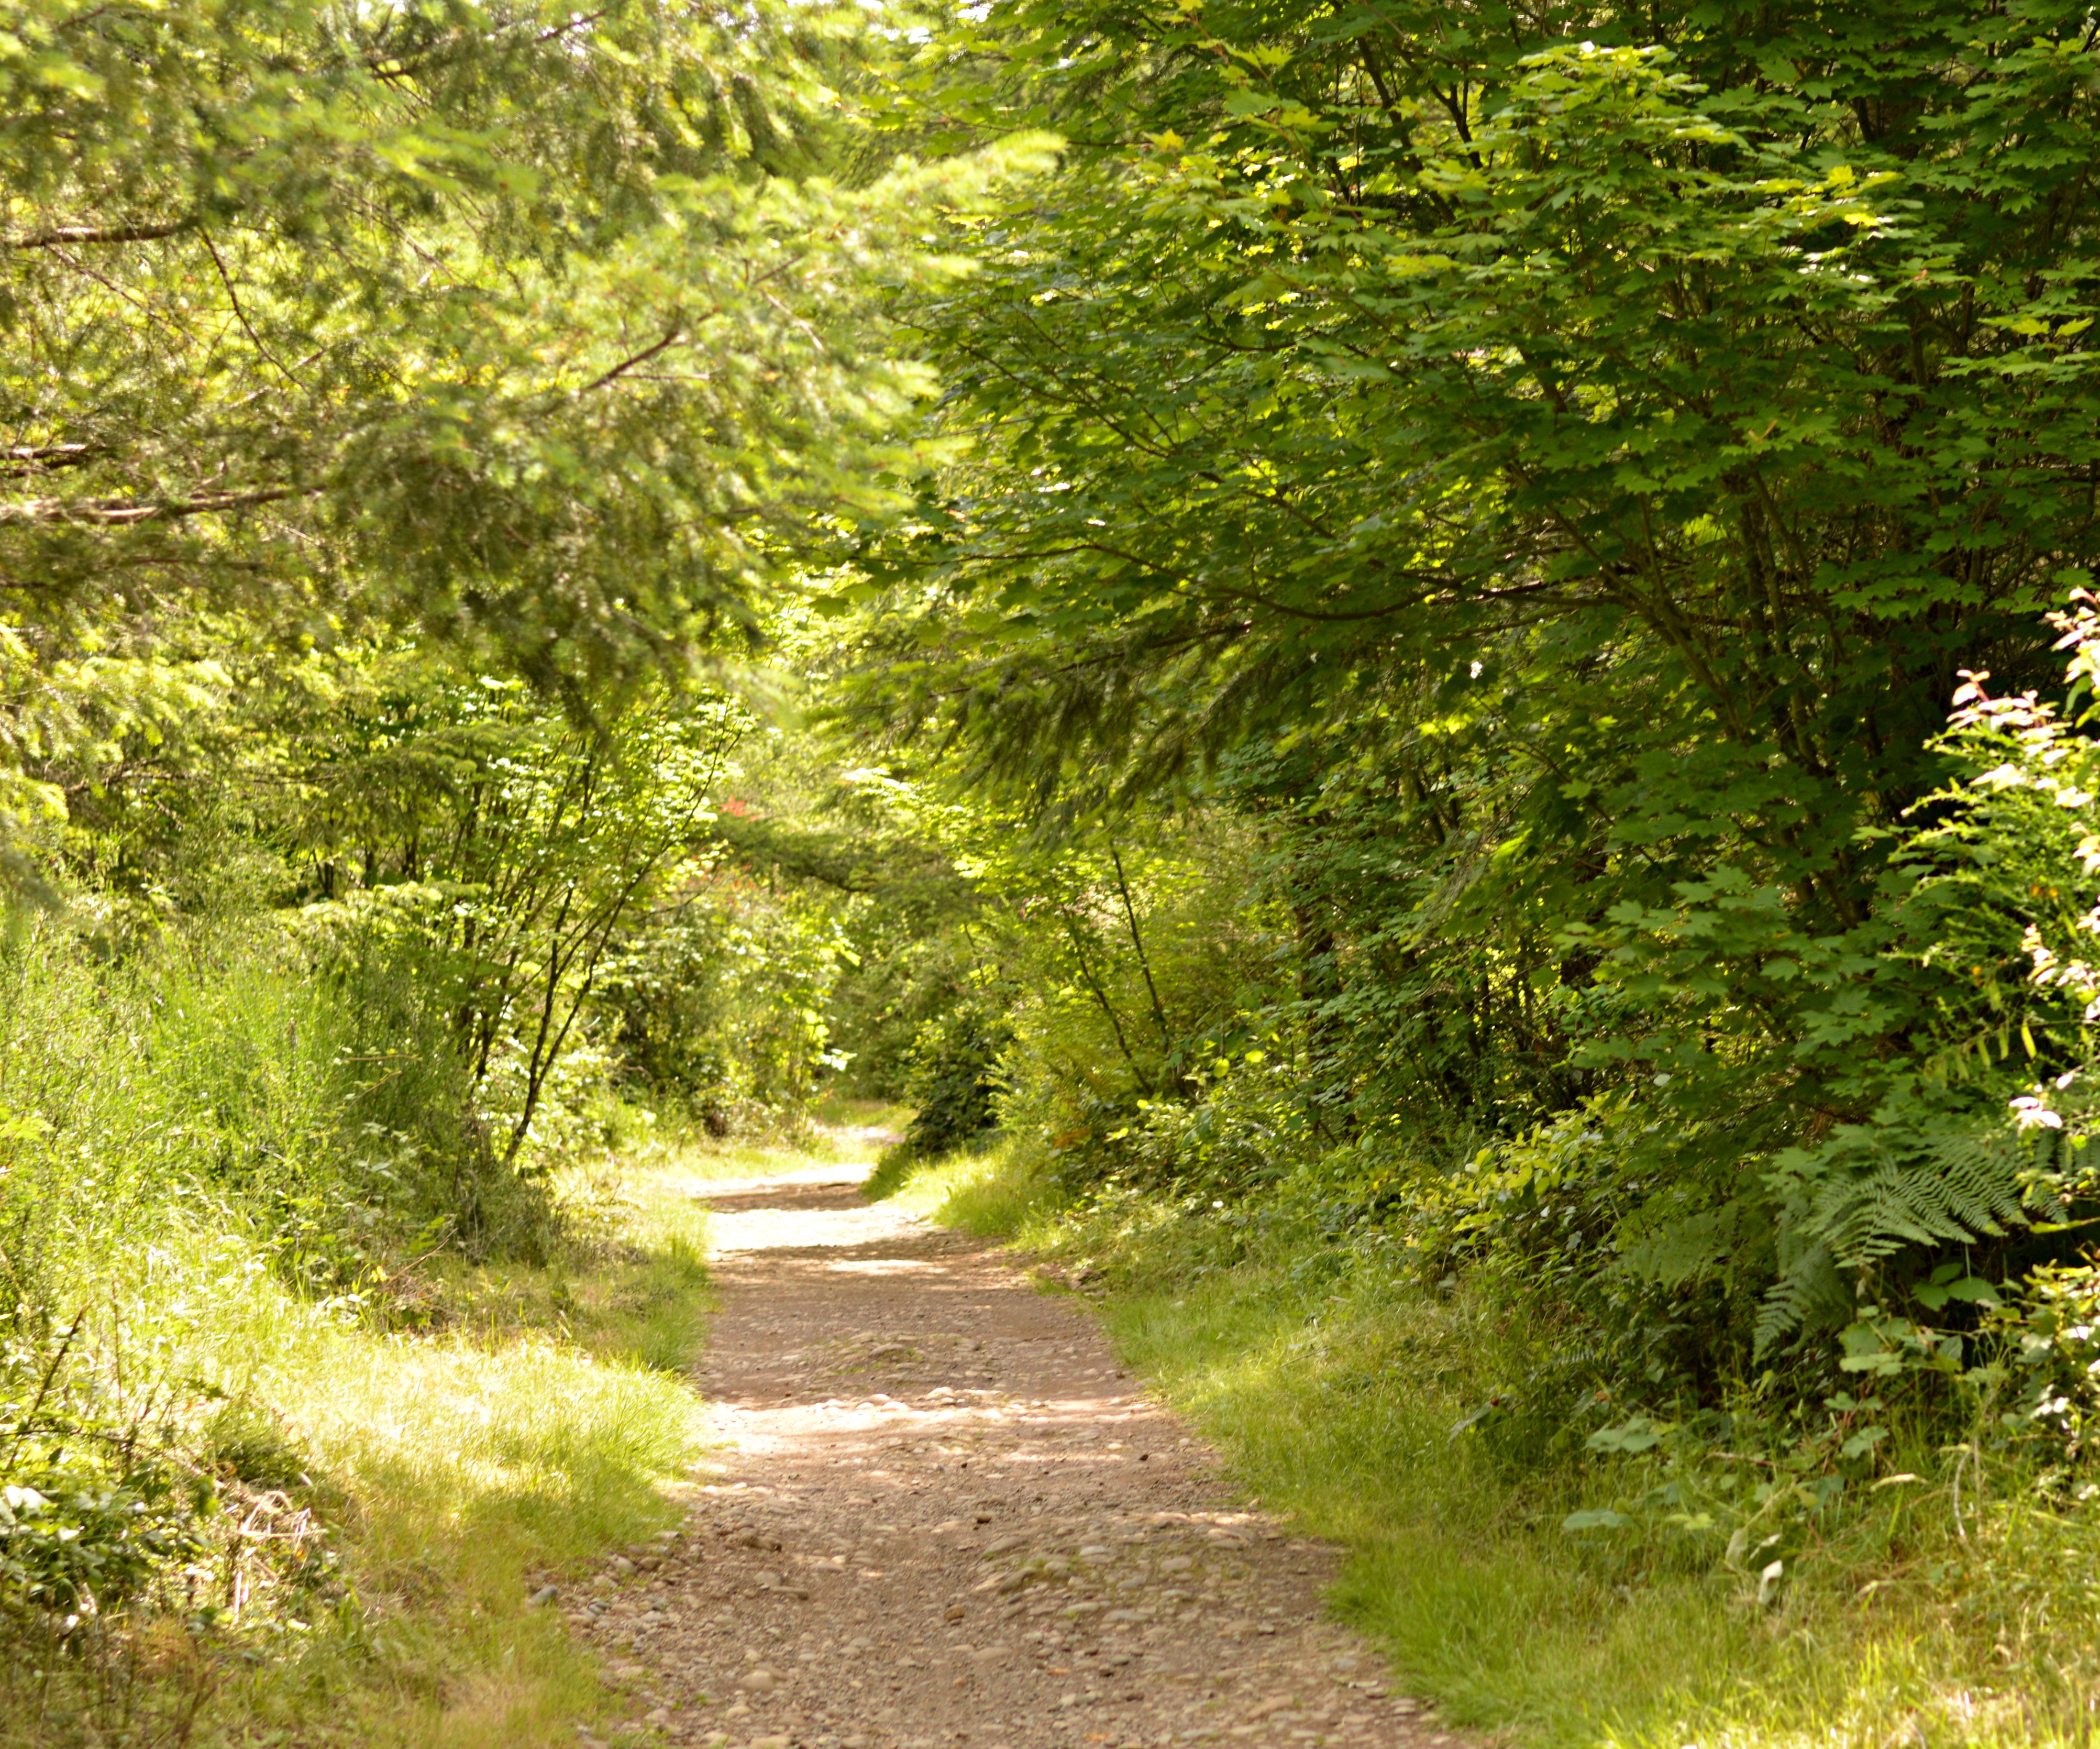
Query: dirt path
947, 1519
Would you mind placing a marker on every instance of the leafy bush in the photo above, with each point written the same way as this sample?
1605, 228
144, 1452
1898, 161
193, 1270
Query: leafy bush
78, 1537
955, 1078
716, 1005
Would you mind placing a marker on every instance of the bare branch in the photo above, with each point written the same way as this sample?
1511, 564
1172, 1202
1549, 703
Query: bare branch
44, 458
643, 357
576, 21
247, 327
141, 231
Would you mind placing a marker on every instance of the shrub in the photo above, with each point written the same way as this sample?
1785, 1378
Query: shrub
955, 1077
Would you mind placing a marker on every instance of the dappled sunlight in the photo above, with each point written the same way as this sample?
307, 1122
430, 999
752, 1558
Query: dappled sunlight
533, 1421
1347, 1394
456, 1422
711, 754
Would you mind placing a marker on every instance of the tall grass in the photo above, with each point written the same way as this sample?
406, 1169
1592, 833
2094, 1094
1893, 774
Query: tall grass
296, 1427
1346, 1393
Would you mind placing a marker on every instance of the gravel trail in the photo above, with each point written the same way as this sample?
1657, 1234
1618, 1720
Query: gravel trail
945, 1520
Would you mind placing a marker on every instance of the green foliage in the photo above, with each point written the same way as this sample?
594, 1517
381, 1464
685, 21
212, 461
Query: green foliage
534, 327
1474, 355
81, 1537
251, 1291
955, 1078
133, 1099
1534, 491
507, 854
549, 340
718, 999
1401, 620
2050, 1327
420, 415
1877, 1193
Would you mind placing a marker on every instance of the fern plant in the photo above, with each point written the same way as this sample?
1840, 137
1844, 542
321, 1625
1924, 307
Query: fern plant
1980, 1137
1957, 1125
1872, 1191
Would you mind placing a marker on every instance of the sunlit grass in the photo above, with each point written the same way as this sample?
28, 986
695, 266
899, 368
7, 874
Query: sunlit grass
698, 1159
546, 1418
1334, 1394
994, 1192
836, 1110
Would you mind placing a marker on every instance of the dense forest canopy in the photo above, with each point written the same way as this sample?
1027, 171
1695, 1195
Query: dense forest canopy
1557, 466
1442, 628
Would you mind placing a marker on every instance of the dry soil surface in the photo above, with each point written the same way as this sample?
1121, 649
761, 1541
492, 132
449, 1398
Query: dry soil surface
945, 1519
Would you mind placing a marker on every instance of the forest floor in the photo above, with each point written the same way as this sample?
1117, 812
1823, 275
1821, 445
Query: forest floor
941, 1516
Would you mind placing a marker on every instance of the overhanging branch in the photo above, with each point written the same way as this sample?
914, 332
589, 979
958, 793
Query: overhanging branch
116, 513
140, 230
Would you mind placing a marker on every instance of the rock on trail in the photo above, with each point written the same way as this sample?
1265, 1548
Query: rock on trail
946, 1520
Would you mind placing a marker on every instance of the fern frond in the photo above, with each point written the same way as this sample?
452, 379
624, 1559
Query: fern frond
1884, 1190
1950, 1187
1688, 1249
1810, 1293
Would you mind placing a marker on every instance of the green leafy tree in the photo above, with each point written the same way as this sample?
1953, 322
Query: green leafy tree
1588, 447
538, 332
507, 853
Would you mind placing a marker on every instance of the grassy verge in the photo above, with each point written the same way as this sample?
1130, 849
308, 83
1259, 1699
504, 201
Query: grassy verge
540, 1418
838, 1112
1334, 1383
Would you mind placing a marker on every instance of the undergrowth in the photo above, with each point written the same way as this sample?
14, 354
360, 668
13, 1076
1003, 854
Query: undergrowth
373, 1498
292, 1398
1945, 1597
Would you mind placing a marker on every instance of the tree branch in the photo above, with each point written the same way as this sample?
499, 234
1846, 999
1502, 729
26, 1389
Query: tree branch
643, 357
43, 458
105, 513
141, 231
247, 327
